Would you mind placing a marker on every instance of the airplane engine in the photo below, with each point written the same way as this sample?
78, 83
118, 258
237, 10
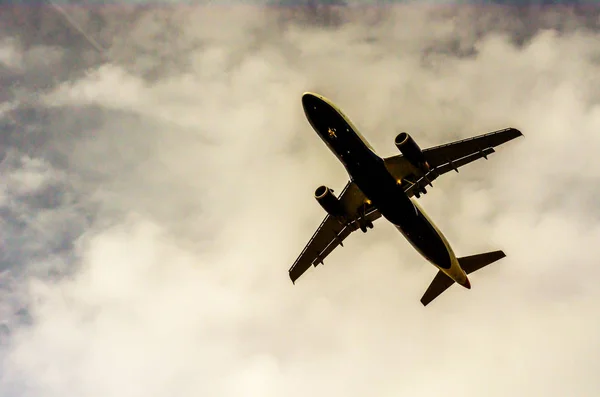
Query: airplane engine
413, 153
329, 202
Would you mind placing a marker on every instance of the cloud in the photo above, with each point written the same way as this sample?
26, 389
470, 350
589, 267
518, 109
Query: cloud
152, 204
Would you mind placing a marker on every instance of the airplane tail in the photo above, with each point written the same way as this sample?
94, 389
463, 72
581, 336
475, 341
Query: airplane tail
469, 264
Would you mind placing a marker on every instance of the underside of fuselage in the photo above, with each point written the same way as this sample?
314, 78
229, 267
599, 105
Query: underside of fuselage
369, 173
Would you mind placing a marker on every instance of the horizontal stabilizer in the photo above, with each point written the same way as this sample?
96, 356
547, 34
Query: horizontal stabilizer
470, 264
475, 262
440, 283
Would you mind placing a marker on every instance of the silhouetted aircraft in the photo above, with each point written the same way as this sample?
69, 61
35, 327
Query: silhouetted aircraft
385, 187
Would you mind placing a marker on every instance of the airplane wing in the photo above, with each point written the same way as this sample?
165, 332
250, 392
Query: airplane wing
447, 157
332, 232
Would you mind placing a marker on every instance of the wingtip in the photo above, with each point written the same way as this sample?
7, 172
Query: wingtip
518, 131
467, 283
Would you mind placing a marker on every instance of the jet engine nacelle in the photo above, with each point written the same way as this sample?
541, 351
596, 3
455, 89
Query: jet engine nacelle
413, 153
329, 202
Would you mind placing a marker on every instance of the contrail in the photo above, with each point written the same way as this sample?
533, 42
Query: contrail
74, 24
32, 97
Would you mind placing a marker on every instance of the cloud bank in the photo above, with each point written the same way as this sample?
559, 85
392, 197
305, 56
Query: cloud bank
154, 197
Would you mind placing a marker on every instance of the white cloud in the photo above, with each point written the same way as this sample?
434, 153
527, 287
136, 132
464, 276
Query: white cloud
99, 88
29, 176
10, 55
186, 292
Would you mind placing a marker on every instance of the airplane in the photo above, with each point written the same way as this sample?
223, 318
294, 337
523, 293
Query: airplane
387, 187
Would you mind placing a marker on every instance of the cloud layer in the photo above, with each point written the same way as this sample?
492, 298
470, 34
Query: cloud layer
154, 197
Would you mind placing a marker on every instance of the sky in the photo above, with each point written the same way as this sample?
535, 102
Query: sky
154, 195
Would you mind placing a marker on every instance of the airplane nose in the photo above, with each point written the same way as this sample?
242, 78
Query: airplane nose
311, 104
308, 100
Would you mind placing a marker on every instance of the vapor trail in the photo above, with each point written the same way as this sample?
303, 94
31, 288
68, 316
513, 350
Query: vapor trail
74, 24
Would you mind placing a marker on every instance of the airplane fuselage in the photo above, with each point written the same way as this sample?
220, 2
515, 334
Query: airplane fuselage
370, 174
